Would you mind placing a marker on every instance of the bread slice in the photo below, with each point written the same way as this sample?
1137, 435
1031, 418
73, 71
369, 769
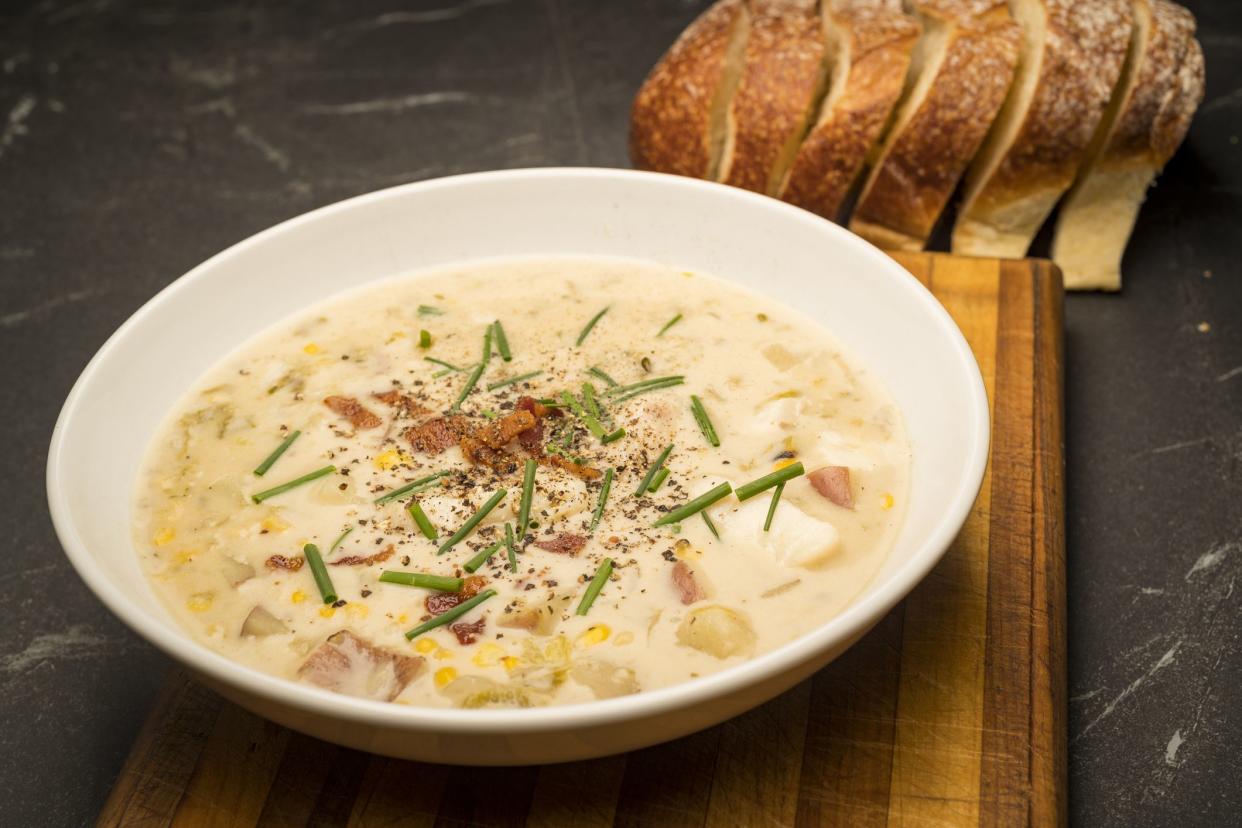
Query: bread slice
782, 79
869, 49
1072, 55
1160, 90
678, 117
959, 75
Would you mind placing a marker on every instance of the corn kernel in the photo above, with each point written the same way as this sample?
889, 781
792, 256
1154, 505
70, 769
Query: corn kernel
510, 663
310, 348
200, 601
596, 634
391, 459
404, 619
489, 655
780, 464
444, 675
298, 596
423, 645
358, 610
443, 654
887, 501
164, 537
185, 556
684, 549
327, 612
272, 523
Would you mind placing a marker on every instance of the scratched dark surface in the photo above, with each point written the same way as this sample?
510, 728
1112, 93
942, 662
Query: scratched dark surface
136, 139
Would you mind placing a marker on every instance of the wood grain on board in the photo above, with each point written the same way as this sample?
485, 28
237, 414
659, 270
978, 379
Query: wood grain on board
950, 712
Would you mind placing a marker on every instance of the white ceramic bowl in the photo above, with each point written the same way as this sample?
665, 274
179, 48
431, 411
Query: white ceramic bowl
870, 303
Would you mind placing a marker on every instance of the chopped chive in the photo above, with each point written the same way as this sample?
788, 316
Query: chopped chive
651, 472
509, 544
603, 499
599, 372
697, 505
424, 523
478, 560
322, 580
340, 539
428, 310
776, 498
292, 484
594, 319
471, 382
487, 345
705, 423
447, 366
593, 425
749, 490
473, 521
440, 583
417, 486
424, 339
624, 392
528, 495
275, 455
502, 341
670, 323
634, 386
513, 380
613, 437
711, 526
593, 589
588, 399
548, 402
450, 616
658, 480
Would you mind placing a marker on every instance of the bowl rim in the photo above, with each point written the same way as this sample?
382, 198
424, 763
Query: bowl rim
843, 628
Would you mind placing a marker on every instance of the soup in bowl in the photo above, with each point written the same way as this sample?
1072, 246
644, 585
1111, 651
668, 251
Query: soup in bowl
524, 466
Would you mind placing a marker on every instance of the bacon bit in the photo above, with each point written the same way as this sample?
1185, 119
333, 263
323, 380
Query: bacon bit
531, 440
478, 454
352, 410
438, 603
365, 560
497, 434
402, 402
687, 586
467, 633
537, 408
437, 434
585, 472
833, 482
566, 543
281, 562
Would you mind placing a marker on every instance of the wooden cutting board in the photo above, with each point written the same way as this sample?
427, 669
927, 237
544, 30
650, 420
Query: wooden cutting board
950, 712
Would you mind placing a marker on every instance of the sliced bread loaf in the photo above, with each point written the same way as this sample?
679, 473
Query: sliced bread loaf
782, 77
958, 79
1071, 58
677, 121
1160, 90
869, 49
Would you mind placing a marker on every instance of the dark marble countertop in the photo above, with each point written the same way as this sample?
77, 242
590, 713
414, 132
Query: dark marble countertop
139, 138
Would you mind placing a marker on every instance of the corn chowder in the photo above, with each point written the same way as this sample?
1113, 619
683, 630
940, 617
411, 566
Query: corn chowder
522, 483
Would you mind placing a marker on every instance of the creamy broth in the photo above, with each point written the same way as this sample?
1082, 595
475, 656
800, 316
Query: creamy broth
679, 602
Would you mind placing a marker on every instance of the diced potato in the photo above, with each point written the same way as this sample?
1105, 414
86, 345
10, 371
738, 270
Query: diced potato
604, 679
475, 692
717, 631
260, 622
539, 618
782, 358
235, 571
